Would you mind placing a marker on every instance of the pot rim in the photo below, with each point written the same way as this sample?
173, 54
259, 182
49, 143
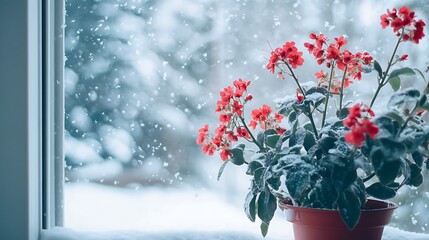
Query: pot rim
285, 204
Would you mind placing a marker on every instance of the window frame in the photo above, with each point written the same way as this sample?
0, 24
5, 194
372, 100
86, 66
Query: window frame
31, 161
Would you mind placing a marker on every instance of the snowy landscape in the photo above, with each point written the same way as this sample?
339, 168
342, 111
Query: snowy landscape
142, 76
98, 213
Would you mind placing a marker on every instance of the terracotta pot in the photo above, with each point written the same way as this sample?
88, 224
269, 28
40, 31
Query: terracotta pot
321, 224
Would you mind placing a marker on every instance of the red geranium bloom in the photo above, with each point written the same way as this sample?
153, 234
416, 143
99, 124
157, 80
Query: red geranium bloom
225, 154
359, 125
288, 54
404, 19
299, 96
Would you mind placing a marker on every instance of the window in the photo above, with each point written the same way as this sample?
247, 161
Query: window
141, 77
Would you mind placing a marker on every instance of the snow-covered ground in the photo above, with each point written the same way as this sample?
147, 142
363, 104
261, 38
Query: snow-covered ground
97, 212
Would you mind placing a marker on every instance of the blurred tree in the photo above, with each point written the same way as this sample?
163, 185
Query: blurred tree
133, 85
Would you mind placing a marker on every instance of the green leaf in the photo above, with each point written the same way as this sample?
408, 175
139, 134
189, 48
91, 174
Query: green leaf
394, 185
260, 138
298, 179
250, 206
380, 191
349, 178
392, 149
401, 71
264, 228
308, 126
395, 117
394, 79
292, 116
327, 143
267, 205
342, 113
271, 140
388, 171
377, 68
401, 97
237, 154
395, 83
420, 72
326, 193
416, 178
349, 206
270, 132
219, 174
309, 140
253, 167
423, 100
418, 158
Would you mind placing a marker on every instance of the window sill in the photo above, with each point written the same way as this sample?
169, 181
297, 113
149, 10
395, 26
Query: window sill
68, 234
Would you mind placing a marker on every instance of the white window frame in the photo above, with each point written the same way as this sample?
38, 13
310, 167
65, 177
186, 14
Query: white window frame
31, 162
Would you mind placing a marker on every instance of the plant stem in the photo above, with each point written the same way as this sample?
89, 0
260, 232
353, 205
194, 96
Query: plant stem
329, 93
342, 88
369, 177
251, 135
294, 78
389, 64
404, 125
310, 115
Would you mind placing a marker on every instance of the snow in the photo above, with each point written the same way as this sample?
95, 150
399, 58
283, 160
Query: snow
96, 212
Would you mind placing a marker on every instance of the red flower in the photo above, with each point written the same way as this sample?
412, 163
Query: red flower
299, 96
288, 54
202, 134
278, 117
253, 124
224, 118
359, 125
404, 57
404, 19
241, 87
242, 132
232, 137
418, 33
237, 108
333, 52
280, 130
320, 74
225, 154
341, 41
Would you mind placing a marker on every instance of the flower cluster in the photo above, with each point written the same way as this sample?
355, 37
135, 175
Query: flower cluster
263, 117
230, 109
344, 60
232, 125
404, 19
359, 124
288, 53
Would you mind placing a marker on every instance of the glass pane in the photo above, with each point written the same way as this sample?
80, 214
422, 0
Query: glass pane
142, 77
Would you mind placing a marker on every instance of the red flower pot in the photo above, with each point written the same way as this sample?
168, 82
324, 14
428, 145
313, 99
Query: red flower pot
321, 224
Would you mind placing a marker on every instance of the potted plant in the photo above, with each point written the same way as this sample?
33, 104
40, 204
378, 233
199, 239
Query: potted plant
328, 172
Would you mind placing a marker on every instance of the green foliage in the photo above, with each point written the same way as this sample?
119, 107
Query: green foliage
349, 205
320, 171
219, 174
250, 206
377, 68
237, 155
380, 191
264, 228
394, 77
